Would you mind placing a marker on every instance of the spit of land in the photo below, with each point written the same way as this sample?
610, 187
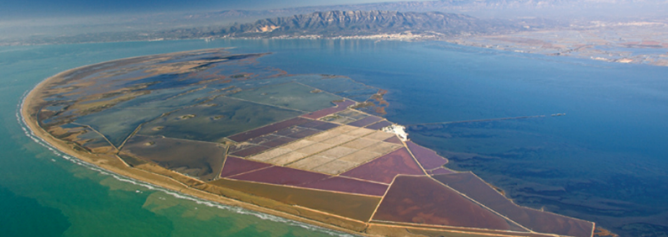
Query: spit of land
314, 148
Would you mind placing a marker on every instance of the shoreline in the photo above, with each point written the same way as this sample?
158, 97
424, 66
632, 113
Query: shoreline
197, 189
116, 166
659, 61
158, 180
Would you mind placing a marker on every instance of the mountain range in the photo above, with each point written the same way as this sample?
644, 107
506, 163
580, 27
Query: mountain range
354, 23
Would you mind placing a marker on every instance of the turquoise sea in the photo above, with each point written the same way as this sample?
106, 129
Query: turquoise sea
605, 160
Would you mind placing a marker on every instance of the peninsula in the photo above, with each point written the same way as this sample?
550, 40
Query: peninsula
314, 148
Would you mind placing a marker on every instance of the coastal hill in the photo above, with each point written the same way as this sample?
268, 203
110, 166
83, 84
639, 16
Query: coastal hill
354, 23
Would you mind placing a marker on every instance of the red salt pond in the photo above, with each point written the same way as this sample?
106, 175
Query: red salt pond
247, 135
545, 222
281, 175
394, 139
422, 200
278, 141
379, 125
348, 185
384, 168
290, 130
326, 126
315, 123
440, 171
427, 158
365, 121
234, 166
340, 106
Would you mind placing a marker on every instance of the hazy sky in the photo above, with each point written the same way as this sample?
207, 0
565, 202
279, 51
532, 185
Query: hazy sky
58, 8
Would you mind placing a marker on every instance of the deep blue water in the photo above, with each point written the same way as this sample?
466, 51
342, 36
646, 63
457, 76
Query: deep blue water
604, 161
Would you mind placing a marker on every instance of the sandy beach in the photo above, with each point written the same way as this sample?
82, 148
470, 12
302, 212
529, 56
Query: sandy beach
116, 165
171, 180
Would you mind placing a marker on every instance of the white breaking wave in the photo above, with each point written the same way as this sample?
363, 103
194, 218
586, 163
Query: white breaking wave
22, 122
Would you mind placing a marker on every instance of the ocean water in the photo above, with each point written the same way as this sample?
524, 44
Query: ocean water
605, 160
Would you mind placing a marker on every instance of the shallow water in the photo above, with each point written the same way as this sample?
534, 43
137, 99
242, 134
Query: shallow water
604, 161
46, 194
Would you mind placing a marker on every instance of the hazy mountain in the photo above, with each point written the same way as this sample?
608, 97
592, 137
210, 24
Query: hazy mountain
355, 23
477, 8
490, 16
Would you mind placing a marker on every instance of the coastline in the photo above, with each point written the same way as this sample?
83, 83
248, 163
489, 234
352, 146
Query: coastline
483, 42
117, 166
173, 181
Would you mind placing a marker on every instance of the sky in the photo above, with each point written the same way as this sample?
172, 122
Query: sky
23, 9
